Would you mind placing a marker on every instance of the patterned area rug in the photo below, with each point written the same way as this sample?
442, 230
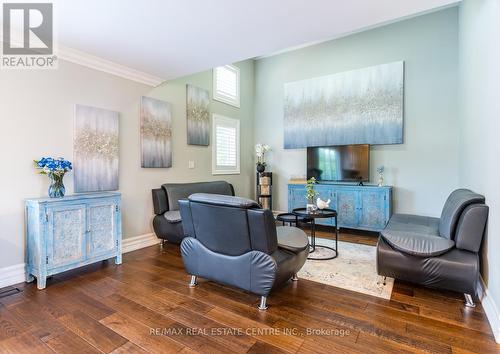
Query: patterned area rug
354, 269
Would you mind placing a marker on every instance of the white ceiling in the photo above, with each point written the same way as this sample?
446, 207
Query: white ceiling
172, 38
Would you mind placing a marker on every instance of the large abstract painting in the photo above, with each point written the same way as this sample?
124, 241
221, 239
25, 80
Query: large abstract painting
363, 106
96, 148
156, 133
198, 116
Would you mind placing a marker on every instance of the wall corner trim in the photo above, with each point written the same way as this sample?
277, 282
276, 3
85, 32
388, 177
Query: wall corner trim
490, 308
16, 274
100, 64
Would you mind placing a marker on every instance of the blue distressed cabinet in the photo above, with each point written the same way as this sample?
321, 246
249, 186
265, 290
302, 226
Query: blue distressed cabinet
67, 233
358, 207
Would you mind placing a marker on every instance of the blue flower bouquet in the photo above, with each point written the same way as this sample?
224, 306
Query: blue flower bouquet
55, 169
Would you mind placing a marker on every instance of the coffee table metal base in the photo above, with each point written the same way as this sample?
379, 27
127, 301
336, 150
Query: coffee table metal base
312, 250
313, 246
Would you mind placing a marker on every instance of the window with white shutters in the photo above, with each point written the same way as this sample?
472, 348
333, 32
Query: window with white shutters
227, 84
226, 145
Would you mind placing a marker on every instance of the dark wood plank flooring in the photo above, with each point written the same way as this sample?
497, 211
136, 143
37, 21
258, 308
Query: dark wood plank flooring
145, 305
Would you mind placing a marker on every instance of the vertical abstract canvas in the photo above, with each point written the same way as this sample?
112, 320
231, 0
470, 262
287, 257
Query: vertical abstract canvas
156, 133
198, 116
363, 106
96, 149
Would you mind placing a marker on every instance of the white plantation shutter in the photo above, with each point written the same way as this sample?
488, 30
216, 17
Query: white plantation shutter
226, 145
227, 84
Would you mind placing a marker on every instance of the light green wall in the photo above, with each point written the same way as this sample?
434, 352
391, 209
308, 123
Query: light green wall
424, 169
36, 119
136, 217
479, 71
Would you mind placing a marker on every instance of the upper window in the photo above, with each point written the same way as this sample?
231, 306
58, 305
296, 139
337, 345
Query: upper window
227, 85
226, 145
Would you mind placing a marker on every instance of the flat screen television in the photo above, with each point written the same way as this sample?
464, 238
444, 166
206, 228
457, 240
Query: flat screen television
345, 163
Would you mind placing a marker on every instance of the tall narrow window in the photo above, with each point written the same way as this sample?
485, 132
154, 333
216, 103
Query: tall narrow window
226, 145
227, 84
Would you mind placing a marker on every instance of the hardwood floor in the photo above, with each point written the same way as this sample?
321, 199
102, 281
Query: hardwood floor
145, 305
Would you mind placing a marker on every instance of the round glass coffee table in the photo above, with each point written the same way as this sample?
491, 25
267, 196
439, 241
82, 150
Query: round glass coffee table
319, 214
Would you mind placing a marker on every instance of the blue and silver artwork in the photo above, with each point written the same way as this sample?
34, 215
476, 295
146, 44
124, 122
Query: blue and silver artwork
96, 149
197, 115
156, 133
363, 106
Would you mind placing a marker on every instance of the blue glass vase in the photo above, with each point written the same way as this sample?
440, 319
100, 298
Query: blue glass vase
56, 188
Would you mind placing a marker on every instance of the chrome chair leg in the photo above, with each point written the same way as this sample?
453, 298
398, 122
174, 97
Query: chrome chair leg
263, 303
193, 282
469, 302
295, 277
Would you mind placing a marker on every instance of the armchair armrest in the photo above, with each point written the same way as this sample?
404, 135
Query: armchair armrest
292, 239
160, 202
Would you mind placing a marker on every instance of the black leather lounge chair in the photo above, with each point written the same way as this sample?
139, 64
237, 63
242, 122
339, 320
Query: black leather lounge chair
233, 241
167, 221
437, 252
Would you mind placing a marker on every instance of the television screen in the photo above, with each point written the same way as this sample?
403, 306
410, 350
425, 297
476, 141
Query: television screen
346, 163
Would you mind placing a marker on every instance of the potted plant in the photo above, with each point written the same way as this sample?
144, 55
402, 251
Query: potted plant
310, 194
260, 152
55, 169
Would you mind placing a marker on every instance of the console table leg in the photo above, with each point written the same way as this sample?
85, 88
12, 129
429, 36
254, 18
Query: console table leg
29, 278
41, 282
118, 259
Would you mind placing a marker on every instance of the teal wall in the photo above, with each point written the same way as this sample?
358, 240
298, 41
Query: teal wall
479, 72
425, 168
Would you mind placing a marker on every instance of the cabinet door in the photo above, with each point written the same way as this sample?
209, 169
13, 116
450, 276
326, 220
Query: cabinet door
296, 197
65, 235
102, 235
373, 209
347, 207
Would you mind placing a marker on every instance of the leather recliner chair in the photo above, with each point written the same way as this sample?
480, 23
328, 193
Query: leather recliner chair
233, 241
437, 252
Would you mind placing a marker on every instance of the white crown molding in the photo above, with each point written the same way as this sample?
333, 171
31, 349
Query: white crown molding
490, 308
97, 63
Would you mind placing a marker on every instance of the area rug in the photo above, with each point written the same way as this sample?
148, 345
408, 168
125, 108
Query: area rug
354, 269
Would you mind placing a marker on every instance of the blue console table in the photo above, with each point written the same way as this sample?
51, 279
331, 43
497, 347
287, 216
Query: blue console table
67, 233
358, 207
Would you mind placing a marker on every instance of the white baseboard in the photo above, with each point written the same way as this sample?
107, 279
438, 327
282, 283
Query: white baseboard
137, 242
16, 274
490, 308
12, 275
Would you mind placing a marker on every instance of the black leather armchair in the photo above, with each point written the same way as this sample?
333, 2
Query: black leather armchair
233, 241
437, 252
167, 221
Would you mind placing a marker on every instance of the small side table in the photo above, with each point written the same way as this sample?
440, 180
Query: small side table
319, 214
291, 219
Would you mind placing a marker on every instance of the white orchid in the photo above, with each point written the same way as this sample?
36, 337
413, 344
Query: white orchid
260, 151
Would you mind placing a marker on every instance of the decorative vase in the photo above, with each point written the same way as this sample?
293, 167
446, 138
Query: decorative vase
56, 188
261, 167
310, 206
380, 179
